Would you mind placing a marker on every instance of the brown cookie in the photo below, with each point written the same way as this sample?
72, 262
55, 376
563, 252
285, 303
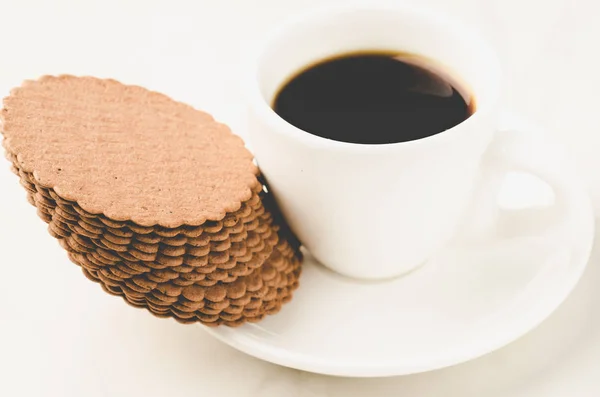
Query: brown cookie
134, 174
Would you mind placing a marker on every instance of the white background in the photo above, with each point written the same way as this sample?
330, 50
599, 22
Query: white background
60, 335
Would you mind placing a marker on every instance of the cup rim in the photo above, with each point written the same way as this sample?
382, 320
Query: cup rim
262, 108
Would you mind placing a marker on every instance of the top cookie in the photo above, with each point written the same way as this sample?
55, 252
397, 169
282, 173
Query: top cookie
126, 152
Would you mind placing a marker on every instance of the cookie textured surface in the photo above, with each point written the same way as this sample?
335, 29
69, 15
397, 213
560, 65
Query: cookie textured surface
127, 152
166, 209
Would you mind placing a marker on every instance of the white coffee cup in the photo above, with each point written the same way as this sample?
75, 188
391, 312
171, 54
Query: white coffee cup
377, 211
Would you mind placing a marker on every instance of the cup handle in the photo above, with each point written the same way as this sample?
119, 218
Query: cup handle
525, 150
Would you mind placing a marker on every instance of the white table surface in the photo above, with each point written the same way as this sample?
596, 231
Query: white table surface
60, 335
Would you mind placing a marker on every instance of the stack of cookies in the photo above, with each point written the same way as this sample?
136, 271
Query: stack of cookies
156, 201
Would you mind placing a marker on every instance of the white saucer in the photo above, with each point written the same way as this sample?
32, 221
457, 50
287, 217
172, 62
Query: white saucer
464, 303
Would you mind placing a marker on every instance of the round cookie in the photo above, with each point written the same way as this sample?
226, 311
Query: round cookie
109, 153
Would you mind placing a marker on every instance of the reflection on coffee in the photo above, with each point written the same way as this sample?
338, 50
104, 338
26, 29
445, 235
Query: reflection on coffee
374, 97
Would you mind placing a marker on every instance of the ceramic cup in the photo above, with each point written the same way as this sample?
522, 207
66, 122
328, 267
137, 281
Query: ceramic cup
375, 211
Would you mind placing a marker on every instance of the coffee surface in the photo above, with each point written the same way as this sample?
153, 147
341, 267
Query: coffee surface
373, 98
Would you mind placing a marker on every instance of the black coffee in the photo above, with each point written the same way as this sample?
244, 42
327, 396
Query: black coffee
373, 98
